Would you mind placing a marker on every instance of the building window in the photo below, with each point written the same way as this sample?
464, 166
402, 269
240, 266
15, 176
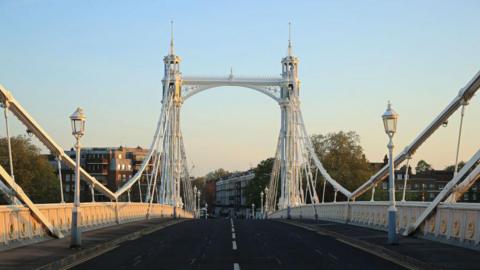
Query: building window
119, 156
474, 196
465, 197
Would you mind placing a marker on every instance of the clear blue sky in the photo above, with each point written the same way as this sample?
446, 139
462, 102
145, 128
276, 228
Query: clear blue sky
106, 56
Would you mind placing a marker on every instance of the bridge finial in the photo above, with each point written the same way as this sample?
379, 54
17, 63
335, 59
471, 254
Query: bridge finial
289, 39
172, 50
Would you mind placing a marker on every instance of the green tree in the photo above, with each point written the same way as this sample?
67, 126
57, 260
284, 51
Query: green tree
451, 168
32, 171
423, 167
342, 156
208, 195
259, 182
216, 174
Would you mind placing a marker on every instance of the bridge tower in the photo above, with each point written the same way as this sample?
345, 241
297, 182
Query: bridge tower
290, 187
171, 159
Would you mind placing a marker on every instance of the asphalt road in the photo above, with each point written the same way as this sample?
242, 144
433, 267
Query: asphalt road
248, 244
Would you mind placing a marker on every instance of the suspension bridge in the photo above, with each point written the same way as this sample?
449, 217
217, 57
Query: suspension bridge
291, 190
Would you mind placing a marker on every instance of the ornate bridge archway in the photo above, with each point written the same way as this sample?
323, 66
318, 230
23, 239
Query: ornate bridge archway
296, 165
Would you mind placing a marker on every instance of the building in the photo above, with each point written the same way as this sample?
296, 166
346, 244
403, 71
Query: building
230, 196
424, 186
111, 166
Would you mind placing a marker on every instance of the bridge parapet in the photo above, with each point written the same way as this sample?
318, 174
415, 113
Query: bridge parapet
19, 226
452, 223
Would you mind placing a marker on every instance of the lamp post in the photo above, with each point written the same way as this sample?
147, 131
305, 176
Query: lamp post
198, 203
195, 201
265, 209
261, 204
253, 210
390, 124
78, 129
206, 210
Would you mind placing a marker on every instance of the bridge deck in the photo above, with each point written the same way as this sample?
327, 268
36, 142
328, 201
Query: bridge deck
57, 250
259, 244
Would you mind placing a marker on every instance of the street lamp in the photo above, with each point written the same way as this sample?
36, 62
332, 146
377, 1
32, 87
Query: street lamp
195, 200
253, 210
265, 210
390, 124
78, 129
206, 210
261, 204
198, 202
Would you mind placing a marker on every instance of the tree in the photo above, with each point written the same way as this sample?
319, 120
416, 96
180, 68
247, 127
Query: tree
259, 182
216, 174
342, 156
423, 167
451, 168
32, 171
208, 194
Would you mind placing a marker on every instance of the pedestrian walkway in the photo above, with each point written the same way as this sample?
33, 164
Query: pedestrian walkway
416, 252
56, 253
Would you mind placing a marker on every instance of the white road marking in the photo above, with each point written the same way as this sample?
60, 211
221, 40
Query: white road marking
234, 245
233, 236
236, 266
318, 251
233, 230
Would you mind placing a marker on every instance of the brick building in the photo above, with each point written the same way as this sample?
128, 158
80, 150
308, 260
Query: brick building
425, 186
111, 166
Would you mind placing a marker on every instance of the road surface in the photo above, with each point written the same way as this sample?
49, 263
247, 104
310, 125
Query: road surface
247, 244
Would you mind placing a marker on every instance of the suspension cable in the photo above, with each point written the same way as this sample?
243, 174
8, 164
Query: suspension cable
407, 164
5, 106
323, 191
464, 103
140, 188
59, 165
373, 193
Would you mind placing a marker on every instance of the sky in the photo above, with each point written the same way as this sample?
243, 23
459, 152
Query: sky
107, 57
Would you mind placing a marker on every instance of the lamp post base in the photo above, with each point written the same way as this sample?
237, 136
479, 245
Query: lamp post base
392, 224
76, 233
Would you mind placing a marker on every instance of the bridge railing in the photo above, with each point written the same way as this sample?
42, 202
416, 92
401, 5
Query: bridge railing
457, 223
18, 225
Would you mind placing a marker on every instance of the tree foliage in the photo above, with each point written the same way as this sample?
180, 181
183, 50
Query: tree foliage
208, 195
216, 174
259, 182
342, 156
423, 167
451, 168
32, 171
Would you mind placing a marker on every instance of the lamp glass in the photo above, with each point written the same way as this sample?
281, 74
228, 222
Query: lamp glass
390, 118
78, 122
